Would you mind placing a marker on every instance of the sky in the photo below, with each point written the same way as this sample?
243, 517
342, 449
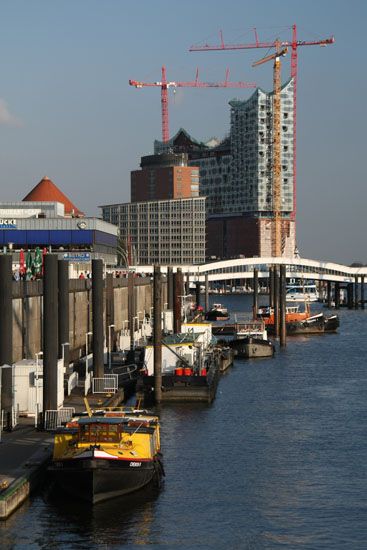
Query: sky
67, 110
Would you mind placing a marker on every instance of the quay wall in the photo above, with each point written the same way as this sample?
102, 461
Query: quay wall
28, 312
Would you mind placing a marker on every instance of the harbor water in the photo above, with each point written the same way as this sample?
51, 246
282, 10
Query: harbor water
279, 460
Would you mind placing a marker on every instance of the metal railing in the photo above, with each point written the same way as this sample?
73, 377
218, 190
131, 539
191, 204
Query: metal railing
54, 419
106, 384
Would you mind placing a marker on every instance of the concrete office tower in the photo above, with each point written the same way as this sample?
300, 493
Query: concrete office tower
168, 232
164, 176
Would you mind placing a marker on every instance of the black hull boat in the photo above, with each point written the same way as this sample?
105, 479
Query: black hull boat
217, 313
250, 347
95, 480
318, 324
106, 455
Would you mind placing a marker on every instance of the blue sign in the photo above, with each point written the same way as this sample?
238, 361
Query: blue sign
77, 256
8, 224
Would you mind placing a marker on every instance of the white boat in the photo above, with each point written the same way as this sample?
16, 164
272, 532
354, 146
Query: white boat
301, 291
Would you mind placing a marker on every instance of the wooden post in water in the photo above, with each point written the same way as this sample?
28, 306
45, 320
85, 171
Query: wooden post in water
329, 294
131, 308
97, 306
157, 334
337, 295
255, 296
350, 295
362, 291
355, 291
6, 330
50, 333
206, 292
170, 287
282, 306
64, 344
276, 301
197, 293
271, 286
177, 290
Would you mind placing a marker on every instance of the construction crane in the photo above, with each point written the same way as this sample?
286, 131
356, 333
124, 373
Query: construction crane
164, 85
294, 44
276, 233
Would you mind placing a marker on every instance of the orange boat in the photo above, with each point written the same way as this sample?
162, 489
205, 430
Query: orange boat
292, 314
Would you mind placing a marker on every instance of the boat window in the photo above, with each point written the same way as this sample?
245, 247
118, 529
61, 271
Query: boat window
104, 433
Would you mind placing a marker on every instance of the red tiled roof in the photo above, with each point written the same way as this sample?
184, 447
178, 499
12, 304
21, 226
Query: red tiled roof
47, 191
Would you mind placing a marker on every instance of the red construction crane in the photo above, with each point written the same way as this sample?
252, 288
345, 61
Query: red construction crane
293, 44
164, 85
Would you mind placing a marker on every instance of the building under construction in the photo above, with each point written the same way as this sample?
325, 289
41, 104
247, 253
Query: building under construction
236, 176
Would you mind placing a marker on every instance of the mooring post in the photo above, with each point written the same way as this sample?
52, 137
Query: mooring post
362, 291
276, 301
329, 294
355, 291
6, 330
97, 306
157, 334
282, 306
50, 333
110, 317
271, 286
206, 292
131, 307
197, 293
64, 344
177, 313
337, 295
350, 295
170, 287
255, 296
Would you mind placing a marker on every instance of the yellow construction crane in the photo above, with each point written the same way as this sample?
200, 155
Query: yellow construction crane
276, 234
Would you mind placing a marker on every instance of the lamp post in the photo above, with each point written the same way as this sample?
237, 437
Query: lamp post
109, 345
37, 355
63, 352
86, 351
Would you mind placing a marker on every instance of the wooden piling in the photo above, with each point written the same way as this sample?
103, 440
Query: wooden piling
97, 308
328, 294
356, 292
6, 330
337, 295
206, 292
197, 293
362, 291
255, 296
157, 334
177, 290
131, 308
50, 333
282, 306
350, 295
170, 287
276, 301
271, 286
63, 281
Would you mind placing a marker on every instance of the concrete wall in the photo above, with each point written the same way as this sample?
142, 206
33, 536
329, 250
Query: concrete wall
27, 313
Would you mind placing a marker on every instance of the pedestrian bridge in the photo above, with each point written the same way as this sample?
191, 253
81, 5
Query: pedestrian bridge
243, 268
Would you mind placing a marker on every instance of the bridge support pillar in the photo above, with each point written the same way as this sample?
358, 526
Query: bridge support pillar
356, 292
282, 306
337, 295
328, 295
255, 302
362, 291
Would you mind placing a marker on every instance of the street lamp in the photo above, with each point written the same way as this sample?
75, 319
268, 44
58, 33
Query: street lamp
109, 345
63, 352
86, 351
37, 355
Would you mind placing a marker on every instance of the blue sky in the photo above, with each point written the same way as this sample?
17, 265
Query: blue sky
67, 111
